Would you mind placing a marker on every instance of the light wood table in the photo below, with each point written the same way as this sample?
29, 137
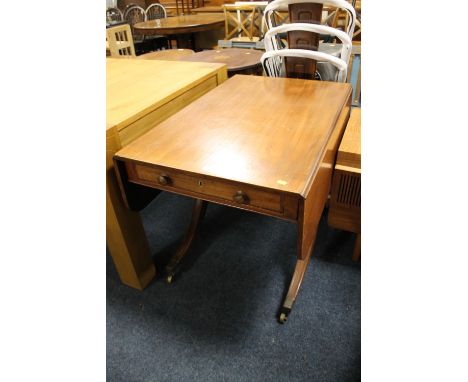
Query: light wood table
140, 94
345, 203
261, 144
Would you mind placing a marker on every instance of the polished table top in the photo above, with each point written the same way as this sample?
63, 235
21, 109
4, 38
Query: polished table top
234, 58
181, 24
136, 87
262, 131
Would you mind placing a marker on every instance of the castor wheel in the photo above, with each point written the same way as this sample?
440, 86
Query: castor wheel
282, 318
170, 278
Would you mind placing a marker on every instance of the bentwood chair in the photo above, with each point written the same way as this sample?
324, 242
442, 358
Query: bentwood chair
309, 12
135, 14
275, 63
114, 15
273, 40
156, 11
301, 60
305, 15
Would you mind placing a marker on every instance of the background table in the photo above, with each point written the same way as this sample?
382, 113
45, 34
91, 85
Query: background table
246, 61
140, 94
179, 25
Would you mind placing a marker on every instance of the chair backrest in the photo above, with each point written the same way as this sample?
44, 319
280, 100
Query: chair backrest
133, 15
114, 14
299, 12
307, 12
240, 21
155, 11
274, 64
272, 37
120, 41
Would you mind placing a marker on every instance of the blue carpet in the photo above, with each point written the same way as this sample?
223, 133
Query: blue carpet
218, 320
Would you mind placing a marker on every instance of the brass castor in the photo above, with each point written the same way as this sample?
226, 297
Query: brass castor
169, 278
282, 318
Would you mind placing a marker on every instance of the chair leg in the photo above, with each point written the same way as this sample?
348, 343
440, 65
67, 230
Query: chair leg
357, 248
173, 266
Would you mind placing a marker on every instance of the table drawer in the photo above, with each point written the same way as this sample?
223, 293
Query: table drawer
221, 191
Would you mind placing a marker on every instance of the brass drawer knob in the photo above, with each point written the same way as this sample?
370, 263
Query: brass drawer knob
164, 180
240, 197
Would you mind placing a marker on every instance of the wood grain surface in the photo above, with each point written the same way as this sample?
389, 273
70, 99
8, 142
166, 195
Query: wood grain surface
266, 132
167, 54
235, 58
136, 87
180, 24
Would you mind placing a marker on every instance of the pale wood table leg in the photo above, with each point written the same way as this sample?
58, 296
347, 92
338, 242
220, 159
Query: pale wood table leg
198, 212
126, 238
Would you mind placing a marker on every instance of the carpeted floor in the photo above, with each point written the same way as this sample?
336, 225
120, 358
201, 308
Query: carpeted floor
218, 320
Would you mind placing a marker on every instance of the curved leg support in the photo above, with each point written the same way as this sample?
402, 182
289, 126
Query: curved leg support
198, 212
298, 276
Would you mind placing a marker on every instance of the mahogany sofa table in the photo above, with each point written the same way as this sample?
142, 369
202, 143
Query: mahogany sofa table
273, 156
140, 94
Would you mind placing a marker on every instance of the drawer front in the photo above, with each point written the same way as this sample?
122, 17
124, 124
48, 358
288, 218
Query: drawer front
221, 191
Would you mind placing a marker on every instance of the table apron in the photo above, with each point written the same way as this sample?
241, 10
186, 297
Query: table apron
221, 191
